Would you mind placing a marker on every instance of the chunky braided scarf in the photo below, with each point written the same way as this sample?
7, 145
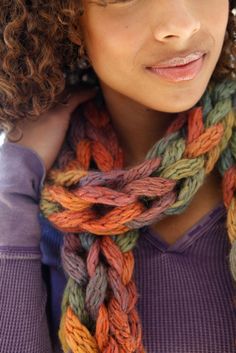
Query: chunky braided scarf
100, 206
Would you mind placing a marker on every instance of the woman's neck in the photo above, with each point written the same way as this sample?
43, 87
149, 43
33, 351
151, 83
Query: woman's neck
137, 127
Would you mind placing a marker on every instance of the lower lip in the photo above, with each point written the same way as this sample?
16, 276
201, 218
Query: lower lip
180, 73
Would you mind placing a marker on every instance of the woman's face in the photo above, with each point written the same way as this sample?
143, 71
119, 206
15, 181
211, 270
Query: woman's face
124, 38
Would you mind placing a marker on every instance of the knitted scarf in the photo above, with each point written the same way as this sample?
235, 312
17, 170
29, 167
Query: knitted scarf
100, 206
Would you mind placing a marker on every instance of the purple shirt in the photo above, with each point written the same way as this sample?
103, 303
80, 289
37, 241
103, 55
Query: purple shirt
185, 290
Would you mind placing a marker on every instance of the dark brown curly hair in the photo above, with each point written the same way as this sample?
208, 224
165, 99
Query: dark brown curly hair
39, 53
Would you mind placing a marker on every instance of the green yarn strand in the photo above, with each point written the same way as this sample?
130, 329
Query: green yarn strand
220, 110
183, 168
87, 240
226, 161
127, 241
160, 147
223, 90
233, 144
173, 153
188, 189
74, 296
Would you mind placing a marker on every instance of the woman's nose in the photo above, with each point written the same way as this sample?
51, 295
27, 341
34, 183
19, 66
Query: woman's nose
175, 22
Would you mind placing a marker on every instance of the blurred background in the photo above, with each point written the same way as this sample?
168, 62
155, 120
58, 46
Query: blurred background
2, 137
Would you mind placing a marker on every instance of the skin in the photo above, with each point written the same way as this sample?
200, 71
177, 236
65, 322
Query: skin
123, 38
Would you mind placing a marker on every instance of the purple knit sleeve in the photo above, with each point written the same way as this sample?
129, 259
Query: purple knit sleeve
23, 294
22, 175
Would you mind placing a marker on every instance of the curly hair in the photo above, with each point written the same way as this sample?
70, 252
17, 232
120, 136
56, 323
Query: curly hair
40, 46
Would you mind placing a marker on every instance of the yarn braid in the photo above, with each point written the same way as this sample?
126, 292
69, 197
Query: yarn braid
100, 206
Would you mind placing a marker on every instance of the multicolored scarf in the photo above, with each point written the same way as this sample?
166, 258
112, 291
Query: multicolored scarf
100, 206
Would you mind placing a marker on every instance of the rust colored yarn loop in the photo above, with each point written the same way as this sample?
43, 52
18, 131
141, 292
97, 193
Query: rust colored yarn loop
100, 206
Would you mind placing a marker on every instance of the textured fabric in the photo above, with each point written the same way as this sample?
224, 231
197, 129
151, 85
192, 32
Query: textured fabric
185, 290
21, 177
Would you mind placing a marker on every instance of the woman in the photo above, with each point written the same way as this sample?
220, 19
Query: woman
134, 165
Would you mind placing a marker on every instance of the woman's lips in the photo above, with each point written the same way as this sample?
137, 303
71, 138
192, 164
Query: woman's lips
179, 73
